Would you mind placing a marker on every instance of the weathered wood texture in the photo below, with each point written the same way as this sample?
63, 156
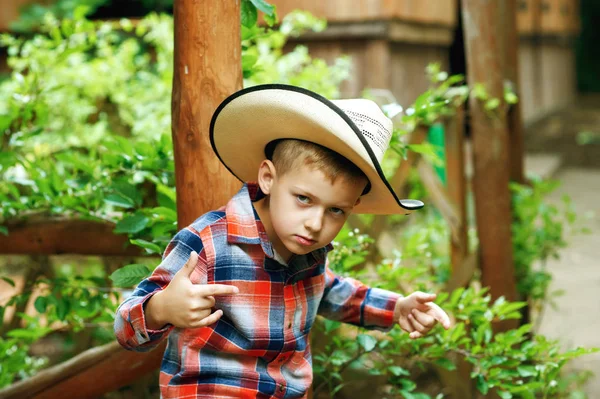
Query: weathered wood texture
454, 140
490, 148
88, 375
207, 69
509, 48
441, 12
548, 17
62, 236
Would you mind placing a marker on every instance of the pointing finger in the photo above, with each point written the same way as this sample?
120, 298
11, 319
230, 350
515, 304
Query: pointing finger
440, 315
422, 297
217, 289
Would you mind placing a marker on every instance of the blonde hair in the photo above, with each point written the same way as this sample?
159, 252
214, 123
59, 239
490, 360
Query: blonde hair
291, 153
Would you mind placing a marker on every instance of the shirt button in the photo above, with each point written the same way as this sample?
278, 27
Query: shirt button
290, 325
281, 388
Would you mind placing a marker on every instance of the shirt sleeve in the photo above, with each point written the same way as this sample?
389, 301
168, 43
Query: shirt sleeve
130, 322
350, 301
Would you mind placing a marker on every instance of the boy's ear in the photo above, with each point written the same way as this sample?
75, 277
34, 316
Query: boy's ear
266, 176
357, 202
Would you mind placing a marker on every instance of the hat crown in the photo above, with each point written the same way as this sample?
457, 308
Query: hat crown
375, 127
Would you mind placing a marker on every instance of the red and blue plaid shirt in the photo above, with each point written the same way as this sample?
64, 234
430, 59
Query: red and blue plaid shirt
259, 348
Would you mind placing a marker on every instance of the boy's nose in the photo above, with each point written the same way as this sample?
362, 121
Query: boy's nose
315, 222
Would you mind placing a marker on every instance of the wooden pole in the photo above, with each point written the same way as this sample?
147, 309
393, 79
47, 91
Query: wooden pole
457, 185
54, 236
207, 69
509, 39
490, 148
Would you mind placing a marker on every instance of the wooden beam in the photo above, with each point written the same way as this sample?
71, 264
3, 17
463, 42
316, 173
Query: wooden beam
87, 375
509, 40
439, 197
490, 148
63, 236
378, 62
393, 31
457, 185
207, 68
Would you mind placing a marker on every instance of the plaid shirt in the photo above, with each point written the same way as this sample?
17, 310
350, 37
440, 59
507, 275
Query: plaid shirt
259, 348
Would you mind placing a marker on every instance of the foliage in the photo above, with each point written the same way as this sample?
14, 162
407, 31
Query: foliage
538, 232
512, 362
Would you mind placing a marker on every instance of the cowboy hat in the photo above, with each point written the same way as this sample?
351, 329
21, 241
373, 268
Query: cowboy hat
248, 120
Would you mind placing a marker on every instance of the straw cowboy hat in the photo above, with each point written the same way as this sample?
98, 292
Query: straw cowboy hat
248, 120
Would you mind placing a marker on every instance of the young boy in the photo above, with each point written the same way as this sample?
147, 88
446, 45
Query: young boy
239, 289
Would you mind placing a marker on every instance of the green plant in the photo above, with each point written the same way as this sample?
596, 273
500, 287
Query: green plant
510, 362
538, 231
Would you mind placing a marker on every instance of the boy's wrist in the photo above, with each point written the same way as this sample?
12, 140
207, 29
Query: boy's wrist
154, 315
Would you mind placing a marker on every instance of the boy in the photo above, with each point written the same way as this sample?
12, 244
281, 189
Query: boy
238, 290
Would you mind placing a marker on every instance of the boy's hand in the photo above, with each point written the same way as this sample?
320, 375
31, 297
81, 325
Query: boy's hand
185, 304
417, 314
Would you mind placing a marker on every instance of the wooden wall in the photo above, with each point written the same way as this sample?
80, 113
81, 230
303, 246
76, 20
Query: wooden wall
392, 41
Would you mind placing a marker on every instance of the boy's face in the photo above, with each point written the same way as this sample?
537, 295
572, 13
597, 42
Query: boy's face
306, 210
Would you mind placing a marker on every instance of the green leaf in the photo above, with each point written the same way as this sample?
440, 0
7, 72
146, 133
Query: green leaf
132, 224
150, 247
167, 214
41, 302
248, 60
398, 371
4, 230
62, 308
526, 371
492, 104
367, 342
8, 280
29, 333
263, 6
446, 363
249, 14
505, 394
481, 384
119, 200
129, 275
271, 19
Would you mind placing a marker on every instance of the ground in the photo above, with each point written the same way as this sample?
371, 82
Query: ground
575, 322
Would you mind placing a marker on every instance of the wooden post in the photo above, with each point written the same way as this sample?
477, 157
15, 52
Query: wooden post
457, 185
378, 62
207, 68
490, 148
509, 39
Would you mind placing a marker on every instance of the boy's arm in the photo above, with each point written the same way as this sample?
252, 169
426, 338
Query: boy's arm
350, 301
131, 327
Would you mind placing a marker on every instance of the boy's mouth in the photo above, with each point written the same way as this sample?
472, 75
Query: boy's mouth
304, 240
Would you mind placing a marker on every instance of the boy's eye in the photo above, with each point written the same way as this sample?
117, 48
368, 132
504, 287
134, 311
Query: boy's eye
337, 211
303, 198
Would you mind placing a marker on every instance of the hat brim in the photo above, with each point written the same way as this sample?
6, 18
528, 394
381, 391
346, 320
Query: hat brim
251, 118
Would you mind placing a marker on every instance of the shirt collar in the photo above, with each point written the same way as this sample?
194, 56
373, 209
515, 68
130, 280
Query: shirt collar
244, 225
